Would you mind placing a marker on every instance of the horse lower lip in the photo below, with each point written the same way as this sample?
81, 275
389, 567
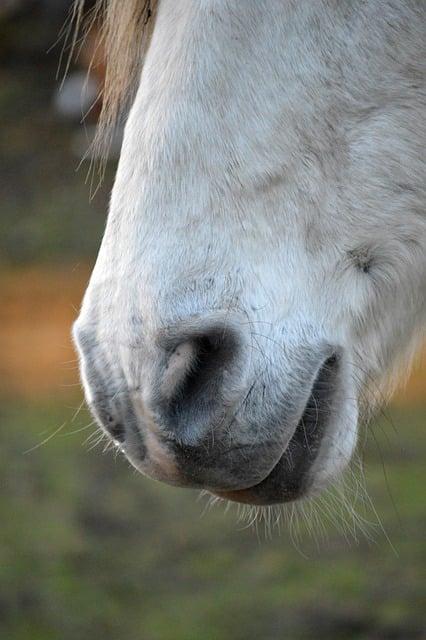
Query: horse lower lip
251, 495
286, 481
268, 491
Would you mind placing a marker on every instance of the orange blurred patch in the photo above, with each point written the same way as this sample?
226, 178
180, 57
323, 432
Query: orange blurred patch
414, 392
36, 314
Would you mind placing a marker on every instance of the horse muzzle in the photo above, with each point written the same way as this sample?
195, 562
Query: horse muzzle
196, 413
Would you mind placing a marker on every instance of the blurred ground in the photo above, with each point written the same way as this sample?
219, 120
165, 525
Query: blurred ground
88, 547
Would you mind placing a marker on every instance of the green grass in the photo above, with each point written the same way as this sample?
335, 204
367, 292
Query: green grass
90, 548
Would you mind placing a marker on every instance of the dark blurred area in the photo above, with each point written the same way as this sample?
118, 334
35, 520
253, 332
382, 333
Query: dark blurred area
87, 546
47, 127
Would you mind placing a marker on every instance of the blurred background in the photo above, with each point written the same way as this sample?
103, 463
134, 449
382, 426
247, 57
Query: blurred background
86, 545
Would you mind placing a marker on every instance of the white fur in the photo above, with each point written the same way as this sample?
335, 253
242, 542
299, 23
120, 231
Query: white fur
272, 151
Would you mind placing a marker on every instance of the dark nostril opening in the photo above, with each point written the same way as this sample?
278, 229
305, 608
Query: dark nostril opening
193, 383
117, 432
115, 429
201, 371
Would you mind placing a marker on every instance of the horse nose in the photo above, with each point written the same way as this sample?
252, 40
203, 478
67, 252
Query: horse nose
199, 381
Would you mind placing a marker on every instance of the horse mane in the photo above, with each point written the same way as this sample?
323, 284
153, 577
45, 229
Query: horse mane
125, 29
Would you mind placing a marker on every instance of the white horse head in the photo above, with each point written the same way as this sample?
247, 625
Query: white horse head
263, 266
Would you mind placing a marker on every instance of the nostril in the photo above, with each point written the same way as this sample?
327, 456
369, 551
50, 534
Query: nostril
192, 390
115, 429
200, 371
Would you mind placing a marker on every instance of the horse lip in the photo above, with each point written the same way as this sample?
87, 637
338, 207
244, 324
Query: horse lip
278, 447
262, 494
244, 491
193, 477
247, 495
